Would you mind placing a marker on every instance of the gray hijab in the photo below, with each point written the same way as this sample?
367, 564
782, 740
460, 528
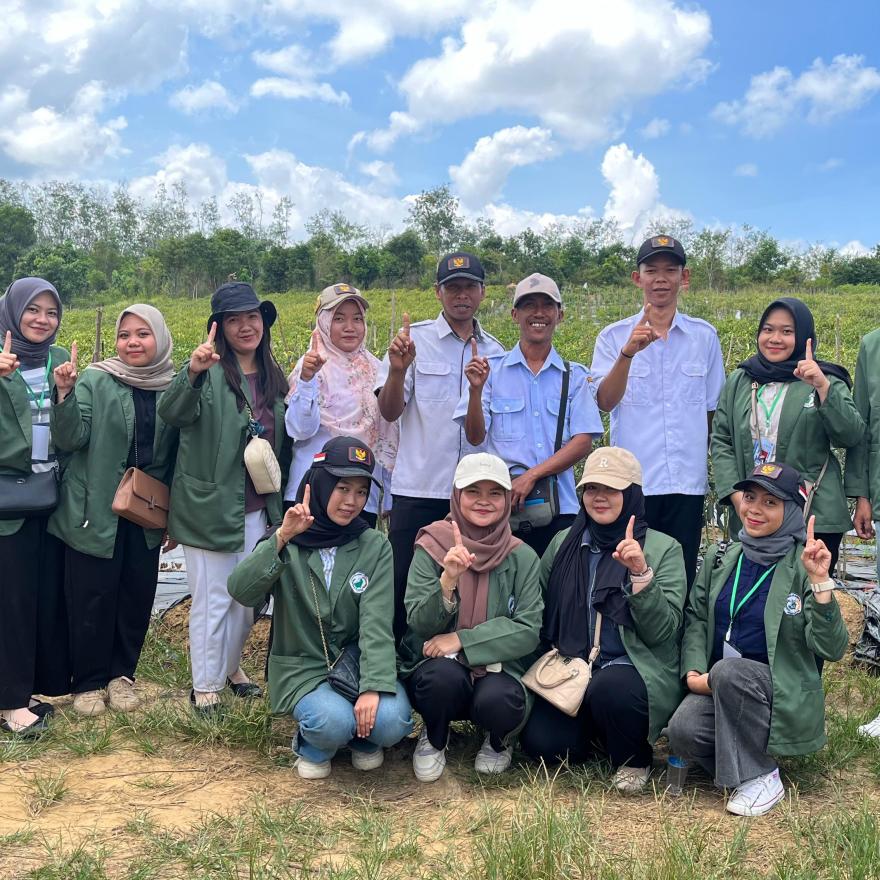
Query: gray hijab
17, 298
771, 548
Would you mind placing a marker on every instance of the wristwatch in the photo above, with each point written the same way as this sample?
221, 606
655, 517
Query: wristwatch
823, 586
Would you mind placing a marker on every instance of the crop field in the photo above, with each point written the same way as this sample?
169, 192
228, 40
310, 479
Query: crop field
160, 794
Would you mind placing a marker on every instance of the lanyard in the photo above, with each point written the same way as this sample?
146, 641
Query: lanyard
30, 390
736, 608
768, 413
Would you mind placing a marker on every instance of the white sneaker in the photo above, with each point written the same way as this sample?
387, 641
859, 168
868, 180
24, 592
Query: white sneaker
872, 728
490, 761
89, 703
367, 760
631, 780
312, 769
757, 796
428, 762
121, 695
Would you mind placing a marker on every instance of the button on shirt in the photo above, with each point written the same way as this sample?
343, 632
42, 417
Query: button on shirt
661, 418
521, 411
431, 443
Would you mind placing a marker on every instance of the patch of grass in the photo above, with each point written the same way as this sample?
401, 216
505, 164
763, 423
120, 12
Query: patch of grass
81, 864
45, 789
22, 837
90, 736
163, 659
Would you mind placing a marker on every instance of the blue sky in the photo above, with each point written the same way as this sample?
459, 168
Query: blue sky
535, 112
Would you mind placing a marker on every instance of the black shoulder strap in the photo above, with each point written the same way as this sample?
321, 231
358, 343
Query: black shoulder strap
563, 405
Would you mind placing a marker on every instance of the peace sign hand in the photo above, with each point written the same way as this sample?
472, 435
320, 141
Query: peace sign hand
65, 375
816, 557
8, 361
297, 519
458, 558
204, 357
629, 551
643, 334
313, 360
810, 372
477, 368
402, 351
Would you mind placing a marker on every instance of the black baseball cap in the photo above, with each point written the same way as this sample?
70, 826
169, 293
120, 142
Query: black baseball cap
661, 244
778, 479
346, 457
238, 296
460, 264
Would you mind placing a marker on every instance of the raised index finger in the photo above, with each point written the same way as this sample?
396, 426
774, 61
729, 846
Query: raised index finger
307, 497
315, 340
474, 351
646, 315
7, 343
73, 354
212, 332
630, 528
456, 533
811, 529
405, 329
808, 355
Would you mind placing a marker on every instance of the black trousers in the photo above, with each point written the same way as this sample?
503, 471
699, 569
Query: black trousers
539, 539
408, 515
613, 720
442, 691
33, 618
109, 602
681, 517
832, 542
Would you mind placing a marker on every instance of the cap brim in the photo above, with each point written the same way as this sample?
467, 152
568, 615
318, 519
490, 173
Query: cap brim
342, 299
468, 275
769, 485
682, 261
351, 472
611, 482
464, 482
554, 296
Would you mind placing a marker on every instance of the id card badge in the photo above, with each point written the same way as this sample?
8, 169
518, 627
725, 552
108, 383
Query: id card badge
730, 651
763, 450
40, 443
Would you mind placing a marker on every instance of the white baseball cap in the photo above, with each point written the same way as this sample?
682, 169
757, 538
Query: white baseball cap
481, 466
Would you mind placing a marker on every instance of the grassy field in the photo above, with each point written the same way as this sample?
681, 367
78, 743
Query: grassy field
164, 794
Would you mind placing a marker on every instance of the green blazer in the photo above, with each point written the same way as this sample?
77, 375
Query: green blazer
863, 461
16, 427
794, 640
358, 608
207, 491
807, 433
84, 519
510, 633
657, 611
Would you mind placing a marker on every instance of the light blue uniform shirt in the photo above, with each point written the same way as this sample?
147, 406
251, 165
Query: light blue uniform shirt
662, 418
521, 411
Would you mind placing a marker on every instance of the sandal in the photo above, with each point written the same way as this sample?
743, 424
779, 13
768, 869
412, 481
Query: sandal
245, 689
31, 731
42, 708
207, 710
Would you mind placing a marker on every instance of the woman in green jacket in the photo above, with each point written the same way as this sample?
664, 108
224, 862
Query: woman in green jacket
218, 401
106, 419
757, 618
331, 577
33, 626
609, 561
782, 404
473, 605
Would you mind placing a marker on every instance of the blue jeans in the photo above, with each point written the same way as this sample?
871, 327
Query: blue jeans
326, 723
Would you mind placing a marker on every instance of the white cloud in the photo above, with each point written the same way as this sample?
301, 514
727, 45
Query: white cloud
193, 165
292, 60
855, 249
382, 174
299, 69
210, 95
657, 127
747, 169
482, 174
302, 89
820, 93
577, 67
511, 221
59, 141
829, 164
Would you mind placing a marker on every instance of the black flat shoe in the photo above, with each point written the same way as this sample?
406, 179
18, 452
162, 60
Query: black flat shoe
42, 709
206, 711
247, 690
32, 731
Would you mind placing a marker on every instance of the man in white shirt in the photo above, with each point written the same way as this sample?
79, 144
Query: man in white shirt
660, 373
420, 382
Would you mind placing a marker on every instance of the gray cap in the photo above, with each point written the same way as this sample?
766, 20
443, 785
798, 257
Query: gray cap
537, 283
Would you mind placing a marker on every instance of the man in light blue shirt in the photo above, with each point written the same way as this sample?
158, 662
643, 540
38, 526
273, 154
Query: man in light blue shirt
660, 373
513, 403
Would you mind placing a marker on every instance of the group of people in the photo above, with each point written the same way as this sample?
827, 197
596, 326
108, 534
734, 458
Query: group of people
496, 558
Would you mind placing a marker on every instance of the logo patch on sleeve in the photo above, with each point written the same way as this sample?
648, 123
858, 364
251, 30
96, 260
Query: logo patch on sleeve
358, 582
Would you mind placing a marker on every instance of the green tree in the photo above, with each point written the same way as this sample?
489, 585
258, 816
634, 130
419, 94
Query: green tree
434, 215
404, 255
17, 236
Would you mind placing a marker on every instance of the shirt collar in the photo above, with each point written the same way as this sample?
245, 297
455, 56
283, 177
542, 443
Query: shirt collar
443, 329
677, 320
552, 360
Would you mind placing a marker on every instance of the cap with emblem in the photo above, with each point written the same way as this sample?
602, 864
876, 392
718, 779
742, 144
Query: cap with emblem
612, 466
346, 457
537, 283
460, 265
336, 294
481, 466
778, 479
661, 244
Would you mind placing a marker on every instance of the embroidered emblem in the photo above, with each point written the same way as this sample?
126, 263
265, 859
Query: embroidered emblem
603, 462
358, 454
319, 457
793, 604
458, 263
771, 470
662, 241
343, 288
810, 402
358, 582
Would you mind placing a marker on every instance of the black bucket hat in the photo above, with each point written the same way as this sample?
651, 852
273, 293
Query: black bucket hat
238, 296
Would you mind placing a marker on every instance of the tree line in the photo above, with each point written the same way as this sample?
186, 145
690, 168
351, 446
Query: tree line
99, 244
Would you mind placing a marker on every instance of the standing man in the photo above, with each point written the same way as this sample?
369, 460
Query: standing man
659, 374
420, 382
862, 479
515, 400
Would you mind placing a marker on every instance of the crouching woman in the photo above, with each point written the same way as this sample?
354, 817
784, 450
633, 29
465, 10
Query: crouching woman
331, 576
757, 619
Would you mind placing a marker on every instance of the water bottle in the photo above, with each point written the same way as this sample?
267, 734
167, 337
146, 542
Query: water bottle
676, 774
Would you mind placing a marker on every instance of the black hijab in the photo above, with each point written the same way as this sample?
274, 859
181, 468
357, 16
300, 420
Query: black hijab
323, 532
764, 371
566, 614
